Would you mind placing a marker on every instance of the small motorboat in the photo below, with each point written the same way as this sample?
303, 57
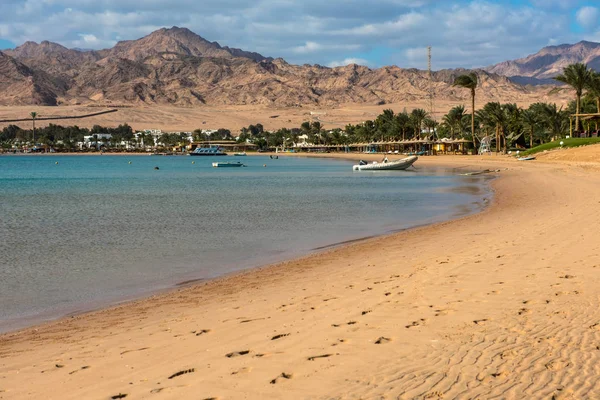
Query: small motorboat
526, 158
227, 164
386, 165
242, 154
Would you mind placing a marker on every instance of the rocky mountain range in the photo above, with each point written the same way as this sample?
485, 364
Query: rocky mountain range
541, 67
176, 66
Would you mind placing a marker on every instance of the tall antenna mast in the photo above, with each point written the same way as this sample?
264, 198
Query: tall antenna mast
431, 108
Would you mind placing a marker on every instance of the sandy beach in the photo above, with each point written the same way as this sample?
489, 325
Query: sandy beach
502, 304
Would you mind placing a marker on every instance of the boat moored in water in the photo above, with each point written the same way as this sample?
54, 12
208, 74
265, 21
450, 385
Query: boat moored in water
227, 164
242, 154
386, 165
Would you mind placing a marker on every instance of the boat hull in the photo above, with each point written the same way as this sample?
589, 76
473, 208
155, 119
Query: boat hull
207, 154
227, 164
387, 166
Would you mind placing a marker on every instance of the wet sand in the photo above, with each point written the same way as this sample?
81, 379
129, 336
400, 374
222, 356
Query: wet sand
501, 304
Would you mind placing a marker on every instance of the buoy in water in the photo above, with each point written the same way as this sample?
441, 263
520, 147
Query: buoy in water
56, 163
129, 162
193, 162
264, 165
156, 168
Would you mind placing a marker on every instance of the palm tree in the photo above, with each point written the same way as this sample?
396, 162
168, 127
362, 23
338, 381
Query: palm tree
384, 123
33, 117
417, 116
454, 120
402, 120
530, 120
496, 114
593, 88
555, 119
430, 124
514, 125
578, 76
469, 81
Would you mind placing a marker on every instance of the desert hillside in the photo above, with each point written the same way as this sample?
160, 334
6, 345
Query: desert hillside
550, 61
177, 67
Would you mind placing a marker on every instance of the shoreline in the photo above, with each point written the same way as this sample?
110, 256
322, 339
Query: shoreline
24, 323
499, 303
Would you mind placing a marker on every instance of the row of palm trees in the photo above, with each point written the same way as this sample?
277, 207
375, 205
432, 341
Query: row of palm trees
581, 78
505, 122
578, 75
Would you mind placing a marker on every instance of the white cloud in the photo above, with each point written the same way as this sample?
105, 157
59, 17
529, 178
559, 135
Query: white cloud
89, 39
463, 33
551, 4
403, 23
348, 61
309, 47
588, 17
313, 47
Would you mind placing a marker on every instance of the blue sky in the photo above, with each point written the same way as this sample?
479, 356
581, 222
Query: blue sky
463, 33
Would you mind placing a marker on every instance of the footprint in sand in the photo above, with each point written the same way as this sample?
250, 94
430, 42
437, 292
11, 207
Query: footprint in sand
77, 370
244, 370
313, 358
382, 340
182, 372
119, 396
201, 332
416, 323
280, 336
508, 354
283, 375
557, 365
480, 321
237, 353
129, 351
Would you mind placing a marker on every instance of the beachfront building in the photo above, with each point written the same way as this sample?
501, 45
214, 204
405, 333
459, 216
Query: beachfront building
225, 145
96, 140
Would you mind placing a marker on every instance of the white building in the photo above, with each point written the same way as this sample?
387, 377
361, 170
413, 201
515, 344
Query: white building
95, 140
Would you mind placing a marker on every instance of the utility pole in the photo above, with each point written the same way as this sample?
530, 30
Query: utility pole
431, 105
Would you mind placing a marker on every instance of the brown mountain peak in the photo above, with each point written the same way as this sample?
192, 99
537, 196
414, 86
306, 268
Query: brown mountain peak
550, 61
175, 40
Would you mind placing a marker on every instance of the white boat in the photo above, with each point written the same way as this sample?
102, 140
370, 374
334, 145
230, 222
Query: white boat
386, 165
227, 164
242, 154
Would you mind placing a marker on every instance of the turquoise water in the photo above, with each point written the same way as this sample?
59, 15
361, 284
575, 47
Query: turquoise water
93, 230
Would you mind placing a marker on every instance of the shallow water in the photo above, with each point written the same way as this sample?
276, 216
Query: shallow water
89, 231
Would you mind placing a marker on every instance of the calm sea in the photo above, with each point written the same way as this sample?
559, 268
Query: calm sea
81, 232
